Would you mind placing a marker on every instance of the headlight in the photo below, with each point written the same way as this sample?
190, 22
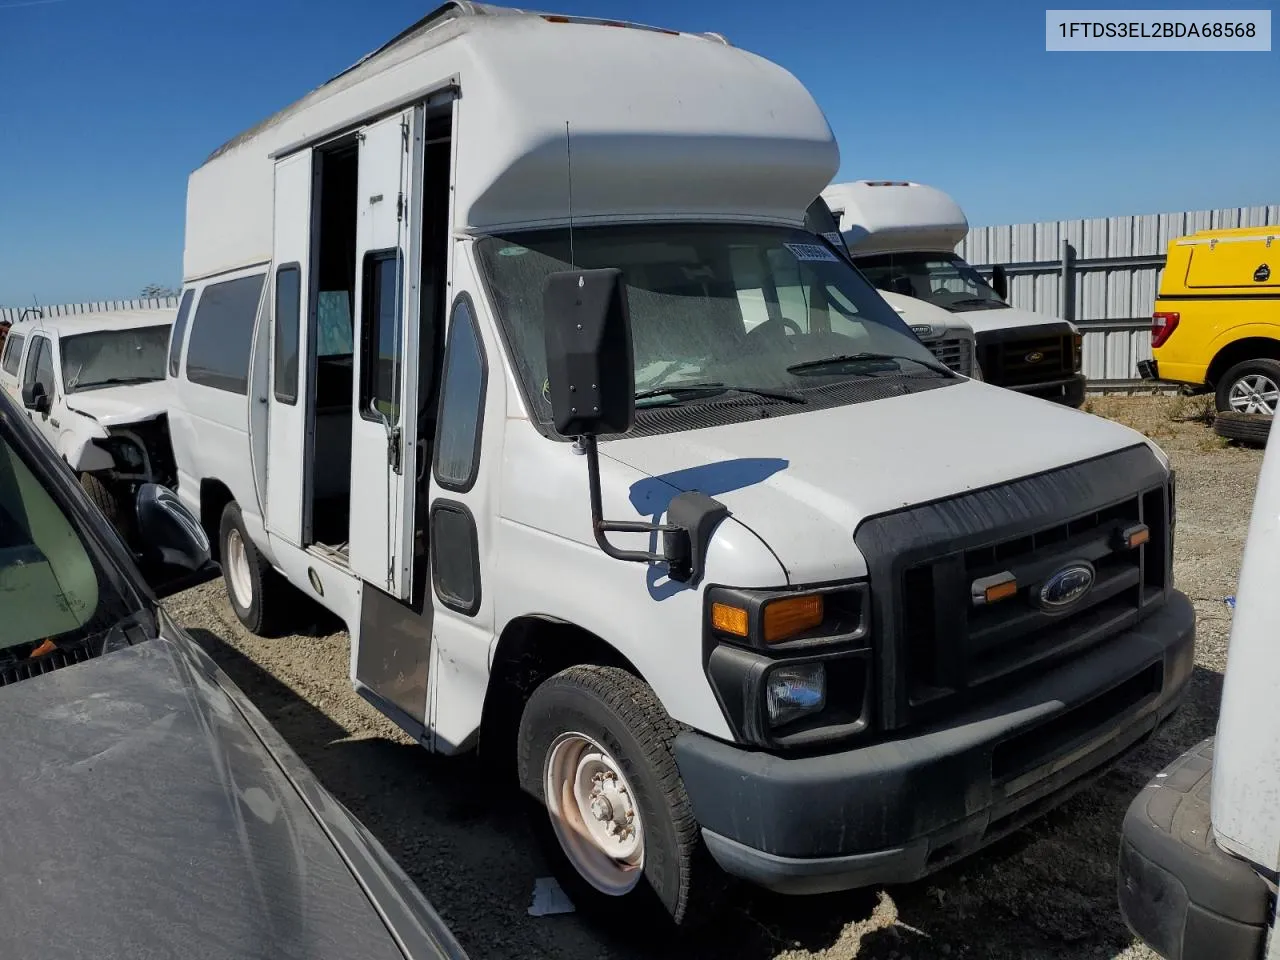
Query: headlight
795, 691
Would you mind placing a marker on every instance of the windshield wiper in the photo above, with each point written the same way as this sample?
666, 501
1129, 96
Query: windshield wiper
840, 358
710, 387
116, 381
978, 302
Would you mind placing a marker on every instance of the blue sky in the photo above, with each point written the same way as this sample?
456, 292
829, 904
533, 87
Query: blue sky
106, 106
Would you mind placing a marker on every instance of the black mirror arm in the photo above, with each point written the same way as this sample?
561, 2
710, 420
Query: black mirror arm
601, 526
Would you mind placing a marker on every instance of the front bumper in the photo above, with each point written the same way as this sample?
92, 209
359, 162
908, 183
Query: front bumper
895, 811
1178, 890
1069, 390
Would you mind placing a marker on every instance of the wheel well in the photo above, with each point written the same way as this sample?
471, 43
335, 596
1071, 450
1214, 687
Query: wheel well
1250, 348
530, 650
214, 497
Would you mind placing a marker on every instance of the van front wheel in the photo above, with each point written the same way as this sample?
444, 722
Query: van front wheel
253, 587
1250, 387
609, 807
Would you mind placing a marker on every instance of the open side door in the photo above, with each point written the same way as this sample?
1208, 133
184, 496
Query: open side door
384, 422
287, 306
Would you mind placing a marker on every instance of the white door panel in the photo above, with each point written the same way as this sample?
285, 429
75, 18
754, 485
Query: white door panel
388, 257
289, 295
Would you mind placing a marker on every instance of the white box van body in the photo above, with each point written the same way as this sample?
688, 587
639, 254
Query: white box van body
903, 236
903, 637
94, 385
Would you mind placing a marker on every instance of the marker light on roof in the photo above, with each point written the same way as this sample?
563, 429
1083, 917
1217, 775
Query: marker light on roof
561, 18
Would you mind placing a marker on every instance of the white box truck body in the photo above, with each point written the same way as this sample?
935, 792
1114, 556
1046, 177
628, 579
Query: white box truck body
793, 611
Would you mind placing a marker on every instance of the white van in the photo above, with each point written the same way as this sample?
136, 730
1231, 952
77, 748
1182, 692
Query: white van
1200, 850
768, 594
903, 237
94, 385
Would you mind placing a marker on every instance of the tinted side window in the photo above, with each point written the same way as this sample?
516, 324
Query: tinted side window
462, 402
179, 331
39, 365
288, 296
13, 353
380, 336
222, 334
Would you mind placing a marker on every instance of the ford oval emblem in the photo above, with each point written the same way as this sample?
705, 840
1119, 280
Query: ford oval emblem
1035, 356
921, 329
1066, 587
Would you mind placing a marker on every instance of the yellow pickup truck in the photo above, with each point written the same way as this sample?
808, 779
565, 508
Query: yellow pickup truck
1216, 324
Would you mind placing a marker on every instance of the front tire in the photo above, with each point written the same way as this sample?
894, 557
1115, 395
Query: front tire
1250, 387
113, 505
610, 809
255, 590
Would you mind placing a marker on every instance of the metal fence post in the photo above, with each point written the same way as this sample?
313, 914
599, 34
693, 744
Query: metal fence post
1065, 298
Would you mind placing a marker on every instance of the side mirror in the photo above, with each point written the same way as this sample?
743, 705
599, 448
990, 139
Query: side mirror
176, 551
34, 397
902, 285
1000, 281
590, 371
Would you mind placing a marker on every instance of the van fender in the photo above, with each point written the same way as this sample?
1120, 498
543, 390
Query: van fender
82, 454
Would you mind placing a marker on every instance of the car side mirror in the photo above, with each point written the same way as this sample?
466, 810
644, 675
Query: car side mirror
590, 371
175, 553
1000, 281
34, 397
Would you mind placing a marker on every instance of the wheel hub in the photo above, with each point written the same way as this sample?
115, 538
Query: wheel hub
1254, 393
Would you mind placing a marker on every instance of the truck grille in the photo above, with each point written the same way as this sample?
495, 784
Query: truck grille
1027, 360
956, 353
939, 650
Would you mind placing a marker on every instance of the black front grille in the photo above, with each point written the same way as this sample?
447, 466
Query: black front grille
1018, 358
939, 650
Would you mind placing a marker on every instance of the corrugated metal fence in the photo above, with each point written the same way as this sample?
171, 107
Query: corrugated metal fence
13, 314
1101, 274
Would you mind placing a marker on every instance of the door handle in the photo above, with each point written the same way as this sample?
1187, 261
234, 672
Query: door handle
53, 423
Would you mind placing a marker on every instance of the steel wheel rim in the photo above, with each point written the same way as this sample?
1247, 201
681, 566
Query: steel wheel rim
593, 813
1254, 393
237, 564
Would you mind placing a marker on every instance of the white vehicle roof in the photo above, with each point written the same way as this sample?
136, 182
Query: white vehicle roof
664, 125
73, 324
889, 216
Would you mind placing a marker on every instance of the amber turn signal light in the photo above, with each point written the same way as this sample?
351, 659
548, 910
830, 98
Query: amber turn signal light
789, 616
993, 589
729, 619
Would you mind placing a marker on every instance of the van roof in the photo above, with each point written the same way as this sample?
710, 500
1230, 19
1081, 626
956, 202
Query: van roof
662, 125
889, 216
72, 324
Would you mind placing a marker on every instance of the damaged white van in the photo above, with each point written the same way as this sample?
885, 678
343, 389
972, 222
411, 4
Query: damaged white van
468, 365
94, 386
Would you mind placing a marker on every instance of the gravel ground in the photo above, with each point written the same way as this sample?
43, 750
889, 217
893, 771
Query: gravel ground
1047, 891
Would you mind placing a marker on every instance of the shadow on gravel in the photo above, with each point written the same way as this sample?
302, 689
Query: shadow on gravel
1046, 891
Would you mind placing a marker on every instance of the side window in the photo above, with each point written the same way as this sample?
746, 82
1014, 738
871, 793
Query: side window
462, 402
288, 298
179, 331
222, 334
13, 353
333, 324
40, 365
380, 336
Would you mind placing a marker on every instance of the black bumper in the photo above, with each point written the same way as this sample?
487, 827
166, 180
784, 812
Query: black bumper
1069, 390
1148, 370
894, 811
1178, 890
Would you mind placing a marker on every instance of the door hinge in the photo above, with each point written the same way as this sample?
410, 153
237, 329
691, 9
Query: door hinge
393, 449
404, 133
399, 208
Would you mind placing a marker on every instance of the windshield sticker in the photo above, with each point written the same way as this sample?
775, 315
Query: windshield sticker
812, 251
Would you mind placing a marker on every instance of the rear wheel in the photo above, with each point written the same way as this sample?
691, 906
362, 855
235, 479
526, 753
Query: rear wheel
1247, 427
610, 810
257, 593
1250, 387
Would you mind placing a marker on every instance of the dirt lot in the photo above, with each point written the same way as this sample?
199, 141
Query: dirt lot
1047, 891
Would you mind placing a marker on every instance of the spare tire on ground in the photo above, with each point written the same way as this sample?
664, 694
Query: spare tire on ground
1248, 427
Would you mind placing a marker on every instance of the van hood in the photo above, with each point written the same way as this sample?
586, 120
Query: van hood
125, 404
804, 482
1002, 319
918, 314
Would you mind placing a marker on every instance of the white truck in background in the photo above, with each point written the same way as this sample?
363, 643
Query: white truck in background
903, 237
1200, 848
946, 334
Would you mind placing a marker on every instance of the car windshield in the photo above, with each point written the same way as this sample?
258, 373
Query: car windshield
56, 590
719, 309
946, 281
113, 357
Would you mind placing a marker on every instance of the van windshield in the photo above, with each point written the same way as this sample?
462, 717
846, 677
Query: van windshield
945, 281
746, 307
113, 357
